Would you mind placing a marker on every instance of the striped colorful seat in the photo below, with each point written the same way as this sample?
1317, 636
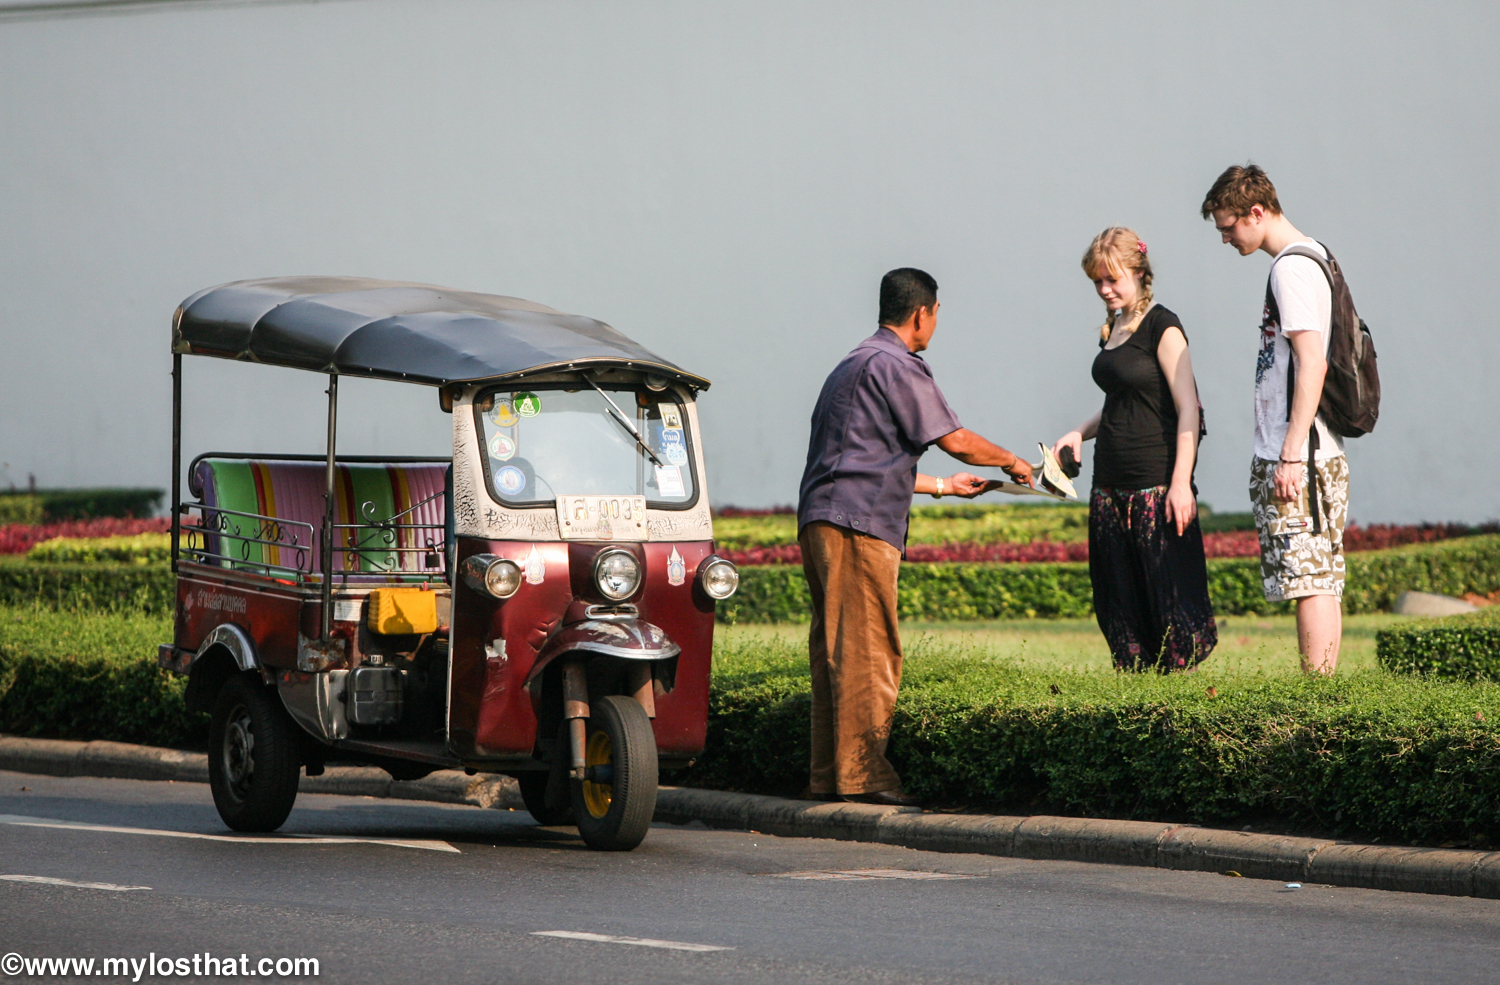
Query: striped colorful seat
367, 494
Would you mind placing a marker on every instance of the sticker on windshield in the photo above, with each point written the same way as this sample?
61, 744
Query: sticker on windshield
669, 480
528, 404
673, 448
502, 447
670, 418
511, 480
504, 413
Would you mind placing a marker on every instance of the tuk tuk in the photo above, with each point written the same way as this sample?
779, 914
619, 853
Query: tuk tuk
540, 605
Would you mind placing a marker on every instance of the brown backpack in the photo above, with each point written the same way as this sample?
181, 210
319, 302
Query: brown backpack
1351, 388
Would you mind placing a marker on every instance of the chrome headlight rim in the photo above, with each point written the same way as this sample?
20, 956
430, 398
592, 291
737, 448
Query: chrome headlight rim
599, 578
487, 574
709, 564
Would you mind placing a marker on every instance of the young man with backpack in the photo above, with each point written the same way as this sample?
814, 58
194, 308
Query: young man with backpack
1315, 384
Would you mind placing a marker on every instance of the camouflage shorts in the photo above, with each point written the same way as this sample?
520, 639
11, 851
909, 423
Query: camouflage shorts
1295, 562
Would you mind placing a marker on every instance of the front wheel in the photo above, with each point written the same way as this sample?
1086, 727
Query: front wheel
615, 801
253, 761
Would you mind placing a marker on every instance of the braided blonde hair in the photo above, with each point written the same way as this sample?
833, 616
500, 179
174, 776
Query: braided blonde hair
1119, 250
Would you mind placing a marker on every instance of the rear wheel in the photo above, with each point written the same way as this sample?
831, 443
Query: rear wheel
614, 802
253, 756
534, 794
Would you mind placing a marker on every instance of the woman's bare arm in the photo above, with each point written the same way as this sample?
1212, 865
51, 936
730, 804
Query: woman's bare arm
1074, 439
1177, 365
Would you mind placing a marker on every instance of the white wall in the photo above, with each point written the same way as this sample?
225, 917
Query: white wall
726, 183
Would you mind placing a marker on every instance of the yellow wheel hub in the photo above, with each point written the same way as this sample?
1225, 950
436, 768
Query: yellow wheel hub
597, 796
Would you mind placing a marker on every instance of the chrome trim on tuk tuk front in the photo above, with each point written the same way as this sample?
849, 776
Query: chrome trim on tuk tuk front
625, 638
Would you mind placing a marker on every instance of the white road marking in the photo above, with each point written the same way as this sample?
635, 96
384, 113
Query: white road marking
47, 881
844, 875
272, 839
580, 935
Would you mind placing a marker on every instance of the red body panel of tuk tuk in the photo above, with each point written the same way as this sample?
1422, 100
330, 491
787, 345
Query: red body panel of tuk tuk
268, 612
490, 710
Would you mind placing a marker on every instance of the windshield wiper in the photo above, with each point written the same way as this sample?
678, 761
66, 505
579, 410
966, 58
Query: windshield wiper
619, 415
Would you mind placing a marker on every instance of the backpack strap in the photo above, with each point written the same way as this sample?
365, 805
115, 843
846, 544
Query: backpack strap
1291, 378
1314, 256
1291, 362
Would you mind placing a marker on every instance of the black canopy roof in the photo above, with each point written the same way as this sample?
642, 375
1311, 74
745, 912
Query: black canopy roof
392, 330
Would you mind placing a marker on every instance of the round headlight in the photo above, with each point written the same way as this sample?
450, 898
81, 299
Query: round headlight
502, 578
720, 578
617, 574
492, 575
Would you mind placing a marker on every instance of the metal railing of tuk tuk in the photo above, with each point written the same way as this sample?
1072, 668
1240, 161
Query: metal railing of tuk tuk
386, 546
287, 550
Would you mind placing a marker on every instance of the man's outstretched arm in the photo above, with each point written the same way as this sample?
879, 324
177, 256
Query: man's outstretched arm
965, 484
973, 449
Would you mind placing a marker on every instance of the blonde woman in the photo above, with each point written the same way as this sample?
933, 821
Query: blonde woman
1145, 547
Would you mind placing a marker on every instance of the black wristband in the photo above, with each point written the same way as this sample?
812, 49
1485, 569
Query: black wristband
1291, 461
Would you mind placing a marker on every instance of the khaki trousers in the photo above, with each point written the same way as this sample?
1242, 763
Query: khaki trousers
855, 653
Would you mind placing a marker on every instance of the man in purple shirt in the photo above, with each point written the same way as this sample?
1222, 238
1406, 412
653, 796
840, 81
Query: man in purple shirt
879, 411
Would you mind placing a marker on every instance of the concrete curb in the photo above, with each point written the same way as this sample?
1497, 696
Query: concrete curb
1438, 871
59, 757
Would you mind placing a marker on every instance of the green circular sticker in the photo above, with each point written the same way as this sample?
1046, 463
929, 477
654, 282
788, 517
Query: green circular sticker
528, 404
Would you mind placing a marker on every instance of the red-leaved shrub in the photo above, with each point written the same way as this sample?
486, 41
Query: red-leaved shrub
18, 538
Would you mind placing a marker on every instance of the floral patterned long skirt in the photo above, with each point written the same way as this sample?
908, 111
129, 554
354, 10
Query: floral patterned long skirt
1150, 585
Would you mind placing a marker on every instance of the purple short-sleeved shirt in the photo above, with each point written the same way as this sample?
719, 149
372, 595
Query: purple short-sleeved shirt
879, 410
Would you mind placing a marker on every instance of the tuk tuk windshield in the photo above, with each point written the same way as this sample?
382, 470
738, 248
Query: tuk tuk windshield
541, 444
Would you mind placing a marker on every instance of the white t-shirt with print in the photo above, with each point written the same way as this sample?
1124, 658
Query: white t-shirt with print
1305, 303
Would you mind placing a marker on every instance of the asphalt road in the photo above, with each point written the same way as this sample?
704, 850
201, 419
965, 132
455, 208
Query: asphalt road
386, 891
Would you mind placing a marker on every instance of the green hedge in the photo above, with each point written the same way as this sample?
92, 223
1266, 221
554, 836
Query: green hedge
956, 523
100, 585
960, 523
1220, 523
90, 675
778, 593
1368, 754
21, 508
1461, 647
79, 504
942, 592
1449, 567
936, 592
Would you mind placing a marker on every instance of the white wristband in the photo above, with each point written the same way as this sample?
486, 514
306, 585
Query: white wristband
939, 493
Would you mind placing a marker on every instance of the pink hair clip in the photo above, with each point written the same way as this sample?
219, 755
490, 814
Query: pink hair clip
1140, 246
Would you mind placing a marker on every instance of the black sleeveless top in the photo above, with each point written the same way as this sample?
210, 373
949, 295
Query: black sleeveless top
1136, 447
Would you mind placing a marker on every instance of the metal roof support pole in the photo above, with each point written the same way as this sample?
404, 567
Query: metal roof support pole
176, 456
327, 552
